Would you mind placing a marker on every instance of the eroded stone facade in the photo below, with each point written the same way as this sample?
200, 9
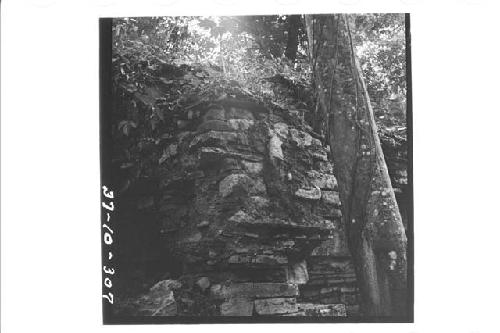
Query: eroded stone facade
249, 205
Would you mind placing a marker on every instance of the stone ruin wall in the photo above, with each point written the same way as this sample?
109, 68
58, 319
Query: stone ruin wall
248, 203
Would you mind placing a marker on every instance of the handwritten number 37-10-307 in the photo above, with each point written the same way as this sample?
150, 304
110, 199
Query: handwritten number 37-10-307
108, 207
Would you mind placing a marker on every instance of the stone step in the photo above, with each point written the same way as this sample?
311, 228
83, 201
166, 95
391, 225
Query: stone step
252, 290
275, 306
320, 310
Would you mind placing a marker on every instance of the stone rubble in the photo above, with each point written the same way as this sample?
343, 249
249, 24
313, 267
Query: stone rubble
248, 205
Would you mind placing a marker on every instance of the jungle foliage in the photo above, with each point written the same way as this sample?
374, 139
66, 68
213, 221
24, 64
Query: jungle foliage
194, 59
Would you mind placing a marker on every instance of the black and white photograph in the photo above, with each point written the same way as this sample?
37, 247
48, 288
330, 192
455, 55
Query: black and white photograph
228, 166
256, 168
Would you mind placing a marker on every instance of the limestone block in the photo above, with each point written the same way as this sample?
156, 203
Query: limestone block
337, 246
242, 290
260, 259
330, 197
240, 124
325, 167
316, 142
270, 259
348, 289
252, 290
328, 290
259, 202
165, 285
215, 125
237, 307
311, 194
320, 155
253, 167
269, 289
275, 150
322, 180
323, 310
212, 154
297, 273
219, 138
241, 217
274, 306
239, 259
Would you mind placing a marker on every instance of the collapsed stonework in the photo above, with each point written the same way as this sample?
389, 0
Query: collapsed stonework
248, 204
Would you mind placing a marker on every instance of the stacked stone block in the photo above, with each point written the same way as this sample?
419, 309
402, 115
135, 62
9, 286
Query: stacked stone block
247, 201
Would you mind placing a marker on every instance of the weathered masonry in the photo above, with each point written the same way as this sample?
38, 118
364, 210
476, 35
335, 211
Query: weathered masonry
248, 205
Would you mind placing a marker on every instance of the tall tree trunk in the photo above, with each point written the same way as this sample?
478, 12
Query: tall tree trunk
375, 232
293, 37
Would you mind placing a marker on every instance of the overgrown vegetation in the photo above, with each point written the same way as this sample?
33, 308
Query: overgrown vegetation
165, 68
173, 63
